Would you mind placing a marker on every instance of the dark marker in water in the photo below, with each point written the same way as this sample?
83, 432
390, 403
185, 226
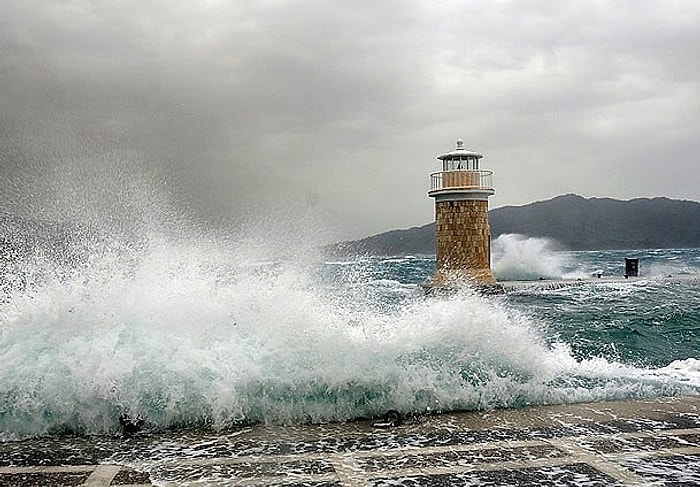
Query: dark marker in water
391, 419
130, 426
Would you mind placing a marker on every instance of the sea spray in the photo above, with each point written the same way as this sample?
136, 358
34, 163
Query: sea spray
521, 258
199, 332
185, 341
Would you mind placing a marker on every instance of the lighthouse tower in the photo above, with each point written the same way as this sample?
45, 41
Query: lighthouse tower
463, 238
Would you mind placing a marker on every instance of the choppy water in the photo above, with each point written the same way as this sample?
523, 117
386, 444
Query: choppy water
206, 333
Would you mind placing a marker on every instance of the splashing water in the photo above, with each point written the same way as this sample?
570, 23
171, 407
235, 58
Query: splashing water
521, 258
185, 341
211, 332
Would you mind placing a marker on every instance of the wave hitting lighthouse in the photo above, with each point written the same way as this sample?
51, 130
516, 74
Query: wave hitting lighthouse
462, 234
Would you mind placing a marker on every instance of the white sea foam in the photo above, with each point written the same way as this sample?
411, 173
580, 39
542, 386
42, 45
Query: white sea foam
686, 371
521, 258
200, 333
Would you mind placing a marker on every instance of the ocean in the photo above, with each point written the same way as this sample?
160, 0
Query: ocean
202, 334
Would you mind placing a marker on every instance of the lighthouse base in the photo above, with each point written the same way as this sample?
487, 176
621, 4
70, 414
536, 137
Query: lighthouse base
456, 277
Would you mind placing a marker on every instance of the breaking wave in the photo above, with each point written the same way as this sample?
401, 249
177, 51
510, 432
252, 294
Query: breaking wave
202, 333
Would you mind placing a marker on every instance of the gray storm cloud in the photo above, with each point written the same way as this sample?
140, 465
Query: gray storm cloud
342, 106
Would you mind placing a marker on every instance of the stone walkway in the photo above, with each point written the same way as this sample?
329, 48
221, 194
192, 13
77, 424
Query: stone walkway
646, 442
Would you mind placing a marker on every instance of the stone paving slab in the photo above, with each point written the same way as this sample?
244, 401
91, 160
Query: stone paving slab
645, 442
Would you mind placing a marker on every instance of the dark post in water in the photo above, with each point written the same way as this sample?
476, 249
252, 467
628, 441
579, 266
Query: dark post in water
631, 268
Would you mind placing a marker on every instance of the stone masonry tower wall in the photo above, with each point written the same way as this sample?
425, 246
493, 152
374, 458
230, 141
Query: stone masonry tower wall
463, 240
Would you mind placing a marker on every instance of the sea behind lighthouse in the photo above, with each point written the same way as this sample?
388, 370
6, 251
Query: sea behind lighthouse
205, 335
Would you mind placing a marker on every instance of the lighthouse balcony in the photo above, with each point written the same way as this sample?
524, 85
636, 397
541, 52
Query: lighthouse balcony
451, 181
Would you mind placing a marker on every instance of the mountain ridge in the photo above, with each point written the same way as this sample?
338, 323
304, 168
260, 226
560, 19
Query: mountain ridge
574, 222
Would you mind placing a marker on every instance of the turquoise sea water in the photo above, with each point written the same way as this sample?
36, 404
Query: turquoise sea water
202, 334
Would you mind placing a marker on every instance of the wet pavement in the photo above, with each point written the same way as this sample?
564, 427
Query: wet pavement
644, 442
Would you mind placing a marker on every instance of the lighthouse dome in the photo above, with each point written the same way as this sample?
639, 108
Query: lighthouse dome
460, 151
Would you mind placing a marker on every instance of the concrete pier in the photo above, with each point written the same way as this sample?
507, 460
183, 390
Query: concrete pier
503, 287
644, 442
545, 284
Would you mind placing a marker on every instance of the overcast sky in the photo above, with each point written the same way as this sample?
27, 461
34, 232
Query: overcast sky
342, 106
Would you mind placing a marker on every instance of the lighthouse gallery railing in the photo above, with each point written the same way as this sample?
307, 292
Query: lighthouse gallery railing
461, 180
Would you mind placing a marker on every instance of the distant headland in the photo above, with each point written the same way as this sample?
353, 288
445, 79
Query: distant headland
575, 222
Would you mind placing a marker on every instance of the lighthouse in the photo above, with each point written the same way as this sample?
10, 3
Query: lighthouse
462, 235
